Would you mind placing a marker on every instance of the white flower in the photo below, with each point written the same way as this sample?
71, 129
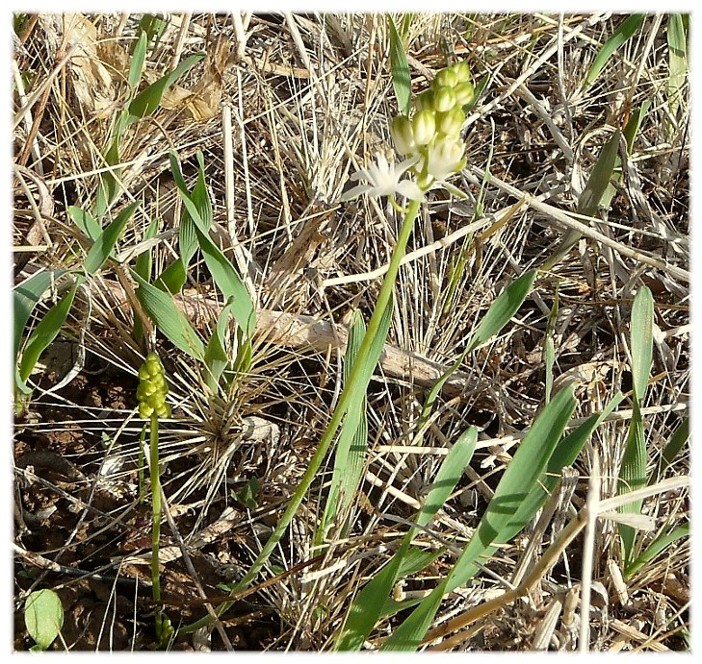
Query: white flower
444, 158
383, 179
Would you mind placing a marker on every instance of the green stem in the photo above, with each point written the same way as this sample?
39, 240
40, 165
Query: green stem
355, 387
156, 512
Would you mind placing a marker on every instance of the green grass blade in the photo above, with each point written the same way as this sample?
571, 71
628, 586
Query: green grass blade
371, 603
106, 241
87, 224
168, 318
143, 267
25, 297
44, 333
148, 100
565, 454
676, 443
136, 66
599, 181
449, 474
401, 82
173, 278
634, 125
497, 316
632, 473
641, 341
502, 309
229, 283
498, 524
349, 457
549, 348
624, 32
677, 61
655, 548
216, 355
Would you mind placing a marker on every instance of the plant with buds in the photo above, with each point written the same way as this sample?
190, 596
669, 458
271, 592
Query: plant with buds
430, 139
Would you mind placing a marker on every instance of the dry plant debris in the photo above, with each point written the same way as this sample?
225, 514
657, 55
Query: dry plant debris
282, 109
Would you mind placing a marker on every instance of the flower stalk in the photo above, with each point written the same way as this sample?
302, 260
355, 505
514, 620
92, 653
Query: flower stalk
151, 395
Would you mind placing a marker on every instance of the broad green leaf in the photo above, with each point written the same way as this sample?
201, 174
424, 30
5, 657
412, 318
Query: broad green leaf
229, 283
599, 180
153, 26
173, 278
168, 318
624, 32
43, 616
106, 241
44, 333
400, 70
498, 524
85, 221
147, 101
658, 545
564, 455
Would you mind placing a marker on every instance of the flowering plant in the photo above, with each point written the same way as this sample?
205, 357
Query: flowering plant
429, 138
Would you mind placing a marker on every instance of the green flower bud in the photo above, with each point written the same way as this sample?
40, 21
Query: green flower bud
424, 126
145, 411
461, 71
444, 78
152, 389
464, 93
450, 123
444, 99
425, 100
403, 135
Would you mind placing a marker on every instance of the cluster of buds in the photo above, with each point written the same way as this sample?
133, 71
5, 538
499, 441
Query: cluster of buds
432, 135
152, 389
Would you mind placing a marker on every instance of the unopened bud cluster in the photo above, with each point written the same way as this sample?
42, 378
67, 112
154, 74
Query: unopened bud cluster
433, 133
152, 389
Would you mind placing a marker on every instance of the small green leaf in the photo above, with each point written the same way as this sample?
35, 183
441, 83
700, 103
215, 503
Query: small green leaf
658, 545
400, 70
147, 101
106, 241
138, 57
216, 356
624, 32
168, 318
26, 296
85, 221
44, 333
43, 617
